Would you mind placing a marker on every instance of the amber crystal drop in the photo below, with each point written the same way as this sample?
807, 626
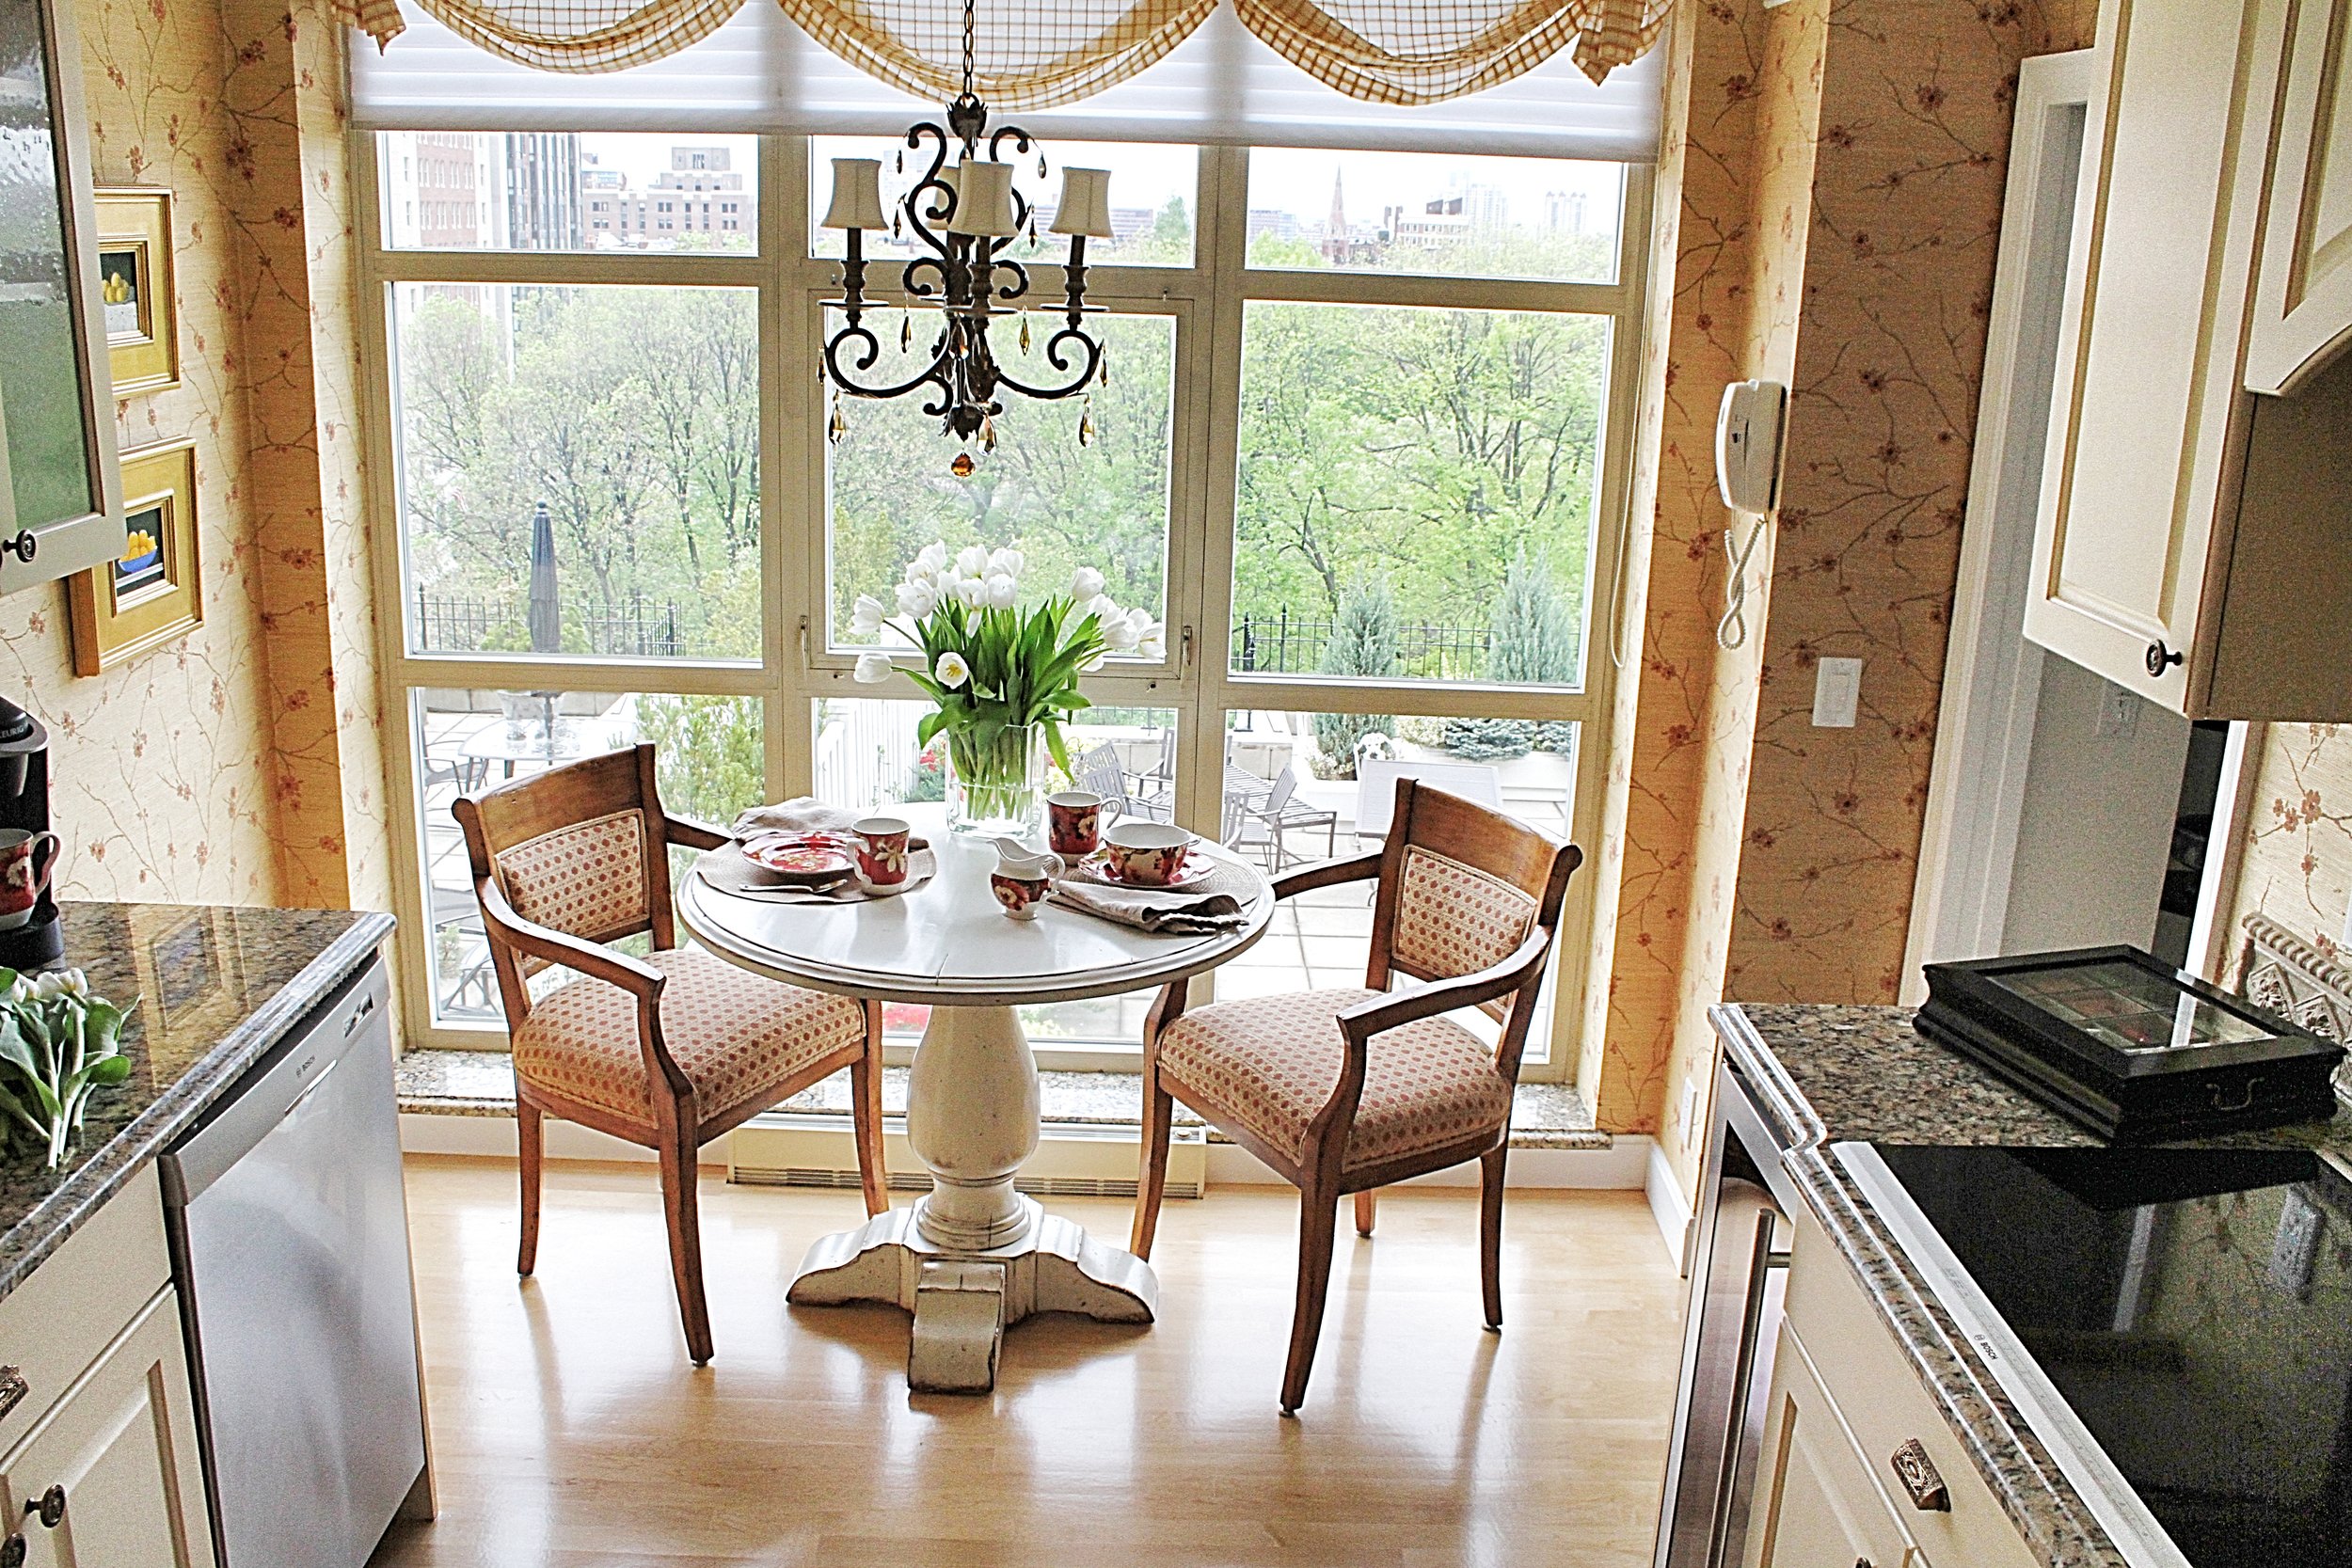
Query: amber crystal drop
988, 434
900, 166
1041, 165
1025, 332
962, 467
837, 427
906, 330
1086, 423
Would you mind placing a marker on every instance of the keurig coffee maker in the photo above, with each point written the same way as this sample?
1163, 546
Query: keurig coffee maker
24, 807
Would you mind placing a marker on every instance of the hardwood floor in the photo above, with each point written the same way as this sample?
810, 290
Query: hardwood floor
570, 1429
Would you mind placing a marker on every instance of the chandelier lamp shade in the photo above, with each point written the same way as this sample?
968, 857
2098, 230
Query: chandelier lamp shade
963, 216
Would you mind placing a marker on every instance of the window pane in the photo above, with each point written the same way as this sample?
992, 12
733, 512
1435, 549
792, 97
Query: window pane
1417, 492
1341, 769
710, 763
629, 417
1063, 504
1434, 214
866, 758
1152, 193
566, 190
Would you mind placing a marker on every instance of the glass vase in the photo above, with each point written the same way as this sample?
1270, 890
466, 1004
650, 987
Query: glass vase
997, 785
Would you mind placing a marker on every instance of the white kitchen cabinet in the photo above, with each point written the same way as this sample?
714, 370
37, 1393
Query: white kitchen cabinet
2303, 293
1816, 1506
116, 1460
2190, 542
98, 1399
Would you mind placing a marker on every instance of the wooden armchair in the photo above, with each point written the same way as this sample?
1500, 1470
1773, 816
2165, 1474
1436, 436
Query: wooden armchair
1348, 1090
668, 1051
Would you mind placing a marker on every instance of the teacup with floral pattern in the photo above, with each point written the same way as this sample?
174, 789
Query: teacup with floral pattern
1146, 854
881, 846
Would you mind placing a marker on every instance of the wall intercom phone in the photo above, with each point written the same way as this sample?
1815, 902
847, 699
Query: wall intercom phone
1748, 446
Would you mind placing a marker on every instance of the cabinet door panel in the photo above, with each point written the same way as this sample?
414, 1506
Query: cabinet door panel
2152, 338
122, 1442
1819, 1506
2303, 302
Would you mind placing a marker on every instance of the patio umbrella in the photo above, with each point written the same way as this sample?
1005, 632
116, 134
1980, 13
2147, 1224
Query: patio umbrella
547, 614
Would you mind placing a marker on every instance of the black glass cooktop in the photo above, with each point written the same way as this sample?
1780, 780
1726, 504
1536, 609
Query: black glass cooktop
2193, 1308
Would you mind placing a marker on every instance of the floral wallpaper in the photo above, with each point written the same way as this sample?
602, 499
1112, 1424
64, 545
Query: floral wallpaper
216, 769
1840, 209
2297, 849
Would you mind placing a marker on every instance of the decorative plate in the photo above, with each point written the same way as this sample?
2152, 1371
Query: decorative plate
801, 860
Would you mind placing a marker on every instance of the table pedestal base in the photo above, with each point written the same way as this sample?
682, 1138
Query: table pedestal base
963, 1301
972, 1256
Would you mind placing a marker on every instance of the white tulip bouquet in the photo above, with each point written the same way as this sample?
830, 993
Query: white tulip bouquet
1002, 678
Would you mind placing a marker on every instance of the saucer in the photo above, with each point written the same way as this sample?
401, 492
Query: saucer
1197, 867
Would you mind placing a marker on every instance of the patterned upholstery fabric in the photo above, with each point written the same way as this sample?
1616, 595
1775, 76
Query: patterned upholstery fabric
586, 878
1273, 1061
738, 1037
1454, 919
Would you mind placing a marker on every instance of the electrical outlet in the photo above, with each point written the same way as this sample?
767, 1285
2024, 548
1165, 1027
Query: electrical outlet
2119, 711
1836, 693
2347, 929
1688, 1118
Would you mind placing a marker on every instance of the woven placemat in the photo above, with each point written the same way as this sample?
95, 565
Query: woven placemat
725, 869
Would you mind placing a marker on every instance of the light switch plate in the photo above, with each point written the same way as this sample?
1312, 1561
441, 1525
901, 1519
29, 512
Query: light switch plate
1836, 693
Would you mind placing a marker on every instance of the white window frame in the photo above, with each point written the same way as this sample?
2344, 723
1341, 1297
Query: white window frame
796, 666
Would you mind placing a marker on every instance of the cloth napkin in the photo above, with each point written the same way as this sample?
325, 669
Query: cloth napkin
804, 814
725, 869
1218, 902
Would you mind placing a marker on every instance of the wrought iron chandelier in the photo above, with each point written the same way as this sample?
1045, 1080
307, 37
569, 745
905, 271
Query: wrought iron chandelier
966, 216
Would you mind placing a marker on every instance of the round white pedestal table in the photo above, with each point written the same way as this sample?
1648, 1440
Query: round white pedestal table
973, 1255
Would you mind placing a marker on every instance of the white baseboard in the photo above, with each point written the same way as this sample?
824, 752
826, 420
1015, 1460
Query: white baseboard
1667, 1206
1620, 1166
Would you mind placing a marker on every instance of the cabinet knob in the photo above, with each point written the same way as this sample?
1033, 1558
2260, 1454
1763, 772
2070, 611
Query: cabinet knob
2160, 658
24, 546
12, 1552
49, 1508
1921, 1478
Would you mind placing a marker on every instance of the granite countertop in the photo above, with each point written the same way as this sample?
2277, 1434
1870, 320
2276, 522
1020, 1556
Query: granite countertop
1828, 1074
218, 985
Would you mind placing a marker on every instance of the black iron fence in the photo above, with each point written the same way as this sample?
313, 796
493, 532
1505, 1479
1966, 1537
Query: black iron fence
458, 624
1284, 644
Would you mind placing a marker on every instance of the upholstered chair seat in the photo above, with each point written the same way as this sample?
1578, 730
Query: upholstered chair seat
1347, 1089
740, 1040
1270, 1063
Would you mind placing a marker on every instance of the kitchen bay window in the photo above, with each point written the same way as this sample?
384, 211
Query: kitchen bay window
1361, 446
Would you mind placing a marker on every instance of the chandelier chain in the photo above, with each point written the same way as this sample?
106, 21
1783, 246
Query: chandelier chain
967, 48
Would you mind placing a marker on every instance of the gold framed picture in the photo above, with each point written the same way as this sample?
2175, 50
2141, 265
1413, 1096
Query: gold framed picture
153, 592
135, 289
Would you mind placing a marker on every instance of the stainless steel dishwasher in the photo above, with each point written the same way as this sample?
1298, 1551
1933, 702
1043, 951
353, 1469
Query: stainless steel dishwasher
290, 1240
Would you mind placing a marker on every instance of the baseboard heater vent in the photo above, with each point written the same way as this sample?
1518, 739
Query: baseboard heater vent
1071, 1160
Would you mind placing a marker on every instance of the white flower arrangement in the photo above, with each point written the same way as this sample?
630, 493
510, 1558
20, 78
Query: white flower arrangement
989, 665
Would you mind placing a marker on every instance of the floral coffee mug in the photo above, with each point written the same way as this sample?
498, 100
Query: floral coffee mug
1073, 822
881, 846
25, 872
1147, 854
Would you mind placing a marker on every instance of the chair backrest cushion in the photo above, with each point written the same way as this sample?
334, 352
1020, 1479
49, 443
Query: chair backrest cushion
585, 879
1454, 919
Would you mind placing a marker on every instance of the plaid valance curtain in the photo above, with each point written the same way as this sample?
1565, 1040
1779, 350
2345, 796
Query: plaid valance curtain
1036, 54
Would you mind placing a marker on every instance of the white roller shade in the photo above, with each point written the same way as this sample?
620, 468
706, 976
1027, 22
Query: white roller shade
760, 73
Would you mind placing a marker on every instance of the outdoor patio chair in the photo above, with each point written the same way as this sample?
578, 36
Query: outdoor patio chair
1348, 1090
668, 1051
1280, 812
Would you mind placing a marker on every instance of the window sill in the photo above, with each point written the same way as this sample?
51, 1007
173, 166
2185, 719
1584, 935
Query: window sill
481, 1083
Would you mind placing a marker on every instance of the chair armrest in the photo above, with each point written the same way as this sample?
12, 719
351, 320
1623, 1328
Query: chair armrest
498, 918
1348, 868
1369, 1017
694, 835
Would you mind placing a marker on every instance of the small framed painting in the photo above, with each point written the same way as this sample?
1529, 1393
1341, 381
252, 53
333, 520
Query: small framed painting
152, 591
135, 289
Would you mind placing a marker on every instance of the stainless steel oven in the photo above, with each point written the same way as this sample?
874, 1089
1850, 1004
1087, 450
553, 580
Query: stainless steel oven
1739, 1269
